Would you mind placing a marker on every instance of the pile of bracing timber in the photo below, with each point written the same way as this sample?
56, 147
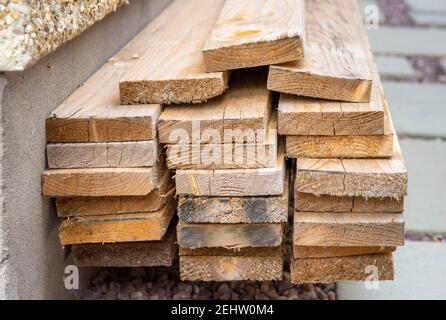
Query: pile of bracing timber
177, 84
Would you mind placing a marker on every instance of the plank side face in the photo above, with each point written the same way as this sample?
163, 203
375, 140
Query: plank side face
307, 202
247, 106
233, 210
127, 254
232, 252
348, 229
337, 56
80, 120
368, 178
102, 155
254, 33
98, 182
171, 67
305, 252
94, 206
233, 182
229, 235
262, 153
117, 228
352, 268
215, 268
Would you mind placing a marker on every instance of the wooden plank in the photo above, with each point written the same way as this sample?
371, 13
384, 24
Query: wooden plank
353, 268
233, 182
255, 33
170, 69
319, 117
353, 146
224, 268
232, 252
231, 210
133, 227
260, 154
305, 252
247, 107
95, 206
337, 56
348, 229
102, 155
307, 202
229, 235
127, 254
369, 178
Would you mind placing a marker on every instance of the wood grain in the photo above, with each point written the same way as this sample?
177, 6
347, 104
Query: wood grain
305, 252
229, 235
232, 252
247, 106
102, 155
214, 268
369, 178
98, 182
94, 206
127, 254
233, 182
171, 69
233, 210
255, 33
134, 227
337, 63
352, 146
348, 229
352, 268
261, 154
307, 202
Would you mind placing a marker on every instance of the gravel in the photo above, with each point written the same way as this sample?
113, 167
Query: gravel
164, 284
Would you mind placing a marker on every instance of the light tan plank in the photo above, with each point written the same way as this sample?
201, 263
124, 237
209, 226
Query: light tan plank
171, 67
98, 182
127, 254
353, 146
369, 178
232, 210
261, 154
352, 268
307, 202
95, 206
102, 155
337, 63
233, 252
330, 252
253, 33
117, 228
203, 268
247, 106
233, 182
93, 112
229, 235
348, 229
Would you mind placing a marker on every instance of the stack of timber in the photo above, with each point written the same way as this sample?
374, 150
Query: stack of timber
106, 169
350, 177
230, 173
231, 181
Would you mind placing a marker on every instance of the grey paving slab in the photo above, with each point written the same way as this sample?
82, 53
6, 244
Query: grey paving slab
427, 5
395, 68
417, 108
419, 274
429, 19
406, 41
425, 205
